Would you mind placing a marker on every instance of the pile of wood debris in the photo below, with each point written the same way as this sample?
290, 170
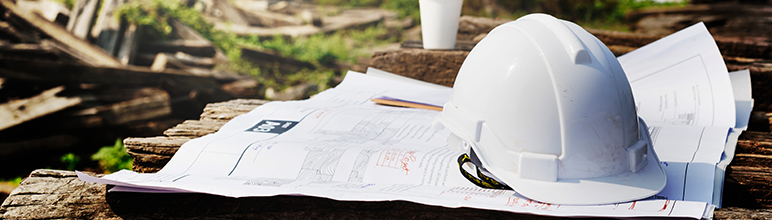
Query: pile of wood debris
70, 78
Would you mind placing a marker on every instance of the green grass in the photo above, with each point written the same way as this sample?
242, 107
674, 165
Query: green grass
322, 50
113, 158
70, 160
14, 181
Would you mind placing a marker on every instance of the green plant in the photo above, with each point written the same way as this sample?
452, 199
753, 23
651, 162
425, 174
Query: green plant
113, 158
15, 181
404, 8
67, 3
71, 160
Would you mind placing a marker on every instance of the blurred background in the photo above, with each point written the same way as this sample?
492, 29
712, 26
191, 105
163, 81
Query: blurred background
133, 68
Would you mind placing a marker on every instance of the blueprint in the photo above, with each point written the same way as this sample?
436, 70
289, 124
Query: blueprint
681, 79
341, 146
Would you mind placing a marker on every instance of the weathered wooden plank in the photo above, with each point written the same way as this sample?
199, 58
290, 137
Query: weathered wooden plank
148, 158
353, 18
107, 27
45, 71
137, 109
83, 19
27, 49
76, 9
182, 31
460, 45
194, 128
48, 9
742, 213
59, 141
270, 61
54, 194
91, 53
225, 111
157, 145
439, 67
224, 10
159, 62
246, 30
270, 19
20, 36
179, 60
127, 49
18, 111
193, 47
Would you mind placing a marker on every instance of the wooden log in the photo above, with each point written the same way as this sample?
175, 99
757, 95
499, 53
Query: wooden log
353, 18
50, 10
83, 18
177, 60
181, 82
460, 45
159, 62
470, 27
58, 141
193, 47
106, 30
49, 194
18, 111
246, 30
14, 32
155, 145
348, 19
194, 128
225, 111
270, 19
439, 67
225, 11
745, 47
269, 61
138, 109
127, 49
182, 31
28, 50
75, 11
88, 52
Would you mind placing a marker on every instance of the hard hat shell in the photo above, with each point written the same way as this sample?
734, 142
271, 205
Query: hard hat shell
549, 111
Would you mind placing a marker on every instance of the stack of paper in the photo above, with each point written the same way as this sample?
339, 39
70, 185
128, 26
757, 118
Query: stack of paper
339, 145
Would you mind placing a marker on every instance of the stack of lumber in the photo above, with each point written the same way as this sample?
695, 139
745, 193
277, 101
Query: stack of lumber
268, 18
70, 80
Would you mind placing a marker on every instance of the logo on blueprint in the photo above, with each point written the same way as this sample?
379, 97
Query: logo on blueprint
273, 126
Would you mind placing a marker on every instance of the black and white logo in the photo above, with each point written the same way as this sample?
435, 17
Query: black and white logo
273, 126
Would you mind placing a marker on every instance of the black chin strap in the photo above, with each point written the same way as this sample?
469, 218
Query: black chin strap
484, 181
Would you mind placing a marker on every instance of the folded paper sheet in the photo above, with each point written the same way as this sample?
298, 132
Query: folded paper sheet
339, 145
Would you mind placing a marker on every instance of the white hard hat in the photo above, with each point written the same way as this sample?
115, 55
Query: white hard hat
547, 109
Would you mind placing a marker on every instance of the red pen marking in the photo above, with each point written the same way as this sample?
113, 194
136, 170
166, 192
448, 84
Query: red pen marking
665, 206
396, 158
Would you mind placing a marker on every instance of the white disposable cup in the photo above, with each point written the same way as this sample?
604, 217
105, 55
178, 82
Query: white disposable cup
439, 23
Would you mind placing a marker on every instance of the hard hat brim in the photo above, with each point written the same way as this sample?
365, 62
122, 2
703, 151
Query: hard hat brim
623, 187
